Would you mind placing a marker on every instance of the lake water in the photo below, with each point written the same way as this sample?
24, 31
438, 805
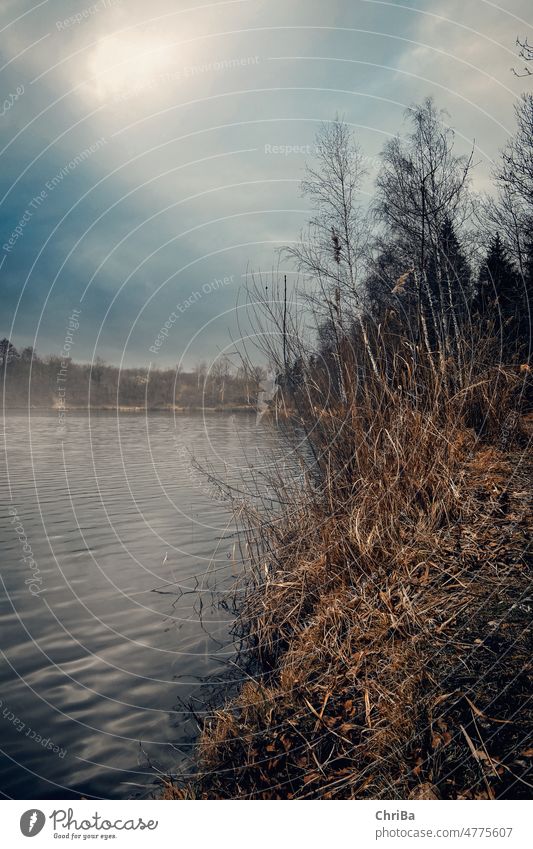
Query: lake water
110, 627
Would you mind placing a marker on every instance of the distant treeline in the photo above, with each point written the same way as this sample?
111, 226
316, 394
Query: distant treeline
52, 382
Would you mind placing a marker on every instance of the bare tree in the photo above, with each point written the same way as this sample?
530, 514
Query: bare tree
219, 373
422, 182
200, 372
503, 213
330, 249
526, 53
333, 245
516, 172
422, 193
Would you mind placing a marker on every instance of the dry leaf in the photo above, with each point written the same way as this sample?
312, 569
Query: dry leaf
367, 709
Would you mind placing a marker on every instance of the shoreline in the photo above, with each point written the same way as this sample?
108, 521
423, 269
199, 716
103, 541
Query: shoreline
131, 409
360, 689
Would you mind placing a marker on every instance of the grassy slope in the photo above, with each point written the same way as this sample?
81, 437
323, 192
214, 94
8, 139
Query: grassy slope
391, 670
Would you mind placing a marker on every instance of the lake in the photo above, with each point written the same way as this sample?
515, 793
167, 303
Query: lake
113, 544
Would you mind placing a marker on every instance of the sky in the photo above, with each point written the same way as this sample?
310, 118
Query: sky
152, 152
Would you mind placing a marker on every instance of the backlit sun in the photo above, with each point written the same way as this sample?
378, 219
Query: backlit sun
124, 63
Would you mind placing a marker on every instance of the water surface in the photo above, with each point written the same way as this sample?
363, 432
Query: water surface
113, 629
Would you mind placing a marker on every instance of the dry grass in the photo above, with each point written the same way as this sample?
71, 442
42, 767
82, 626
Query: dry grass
388, 600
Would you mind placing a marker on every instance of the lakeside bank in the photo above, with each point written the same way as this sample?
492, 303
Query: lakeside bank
400, 671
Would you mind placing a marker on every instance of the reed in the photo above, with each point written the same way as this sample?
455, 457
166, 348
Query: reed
386, 596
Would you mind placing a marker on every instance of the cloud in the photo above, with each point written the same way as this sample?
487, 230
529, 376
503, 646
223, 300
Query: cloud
188, 97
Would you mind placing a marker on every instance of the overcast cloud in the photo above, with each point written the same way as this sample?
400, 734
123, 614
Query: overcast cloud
141, 145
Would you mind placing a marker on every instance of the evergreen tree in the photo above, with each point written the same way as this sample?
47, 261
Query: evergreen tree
498, 285
447, 288
382, 288
456, 277
498, 298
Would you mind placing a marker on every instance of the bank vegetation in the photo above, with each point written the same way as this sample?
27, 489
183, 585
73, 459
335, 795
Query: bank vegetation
385, 610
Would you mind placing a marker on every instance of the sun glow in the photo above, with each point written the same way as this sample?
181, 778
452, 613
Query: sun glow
124, 63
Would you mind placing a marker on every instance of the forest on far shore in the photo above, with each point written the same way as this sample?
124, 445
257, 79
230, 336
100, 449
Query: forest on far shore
53, 383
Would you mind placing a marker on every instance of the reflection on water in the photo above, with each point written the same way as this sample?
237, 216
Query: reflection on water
103, 644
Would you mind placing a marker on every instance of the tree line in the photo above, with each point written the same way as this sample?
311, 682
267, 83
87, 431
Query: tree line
49, 382
428, 262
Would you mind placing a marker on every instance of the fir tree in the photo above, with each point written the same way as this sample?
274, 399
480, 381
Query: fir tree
498, 285
498, 298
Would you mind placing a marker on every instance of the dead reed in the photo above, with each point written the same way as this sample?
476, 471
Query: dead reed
387, 598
